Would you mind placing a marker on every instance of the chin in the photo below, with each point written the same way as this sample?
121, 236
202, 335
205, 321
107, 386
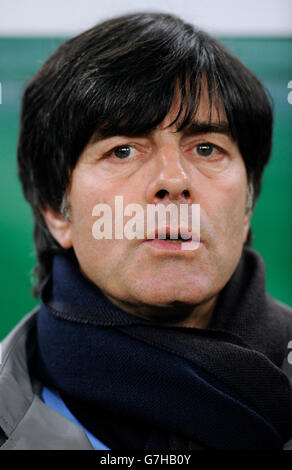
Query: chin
166, 294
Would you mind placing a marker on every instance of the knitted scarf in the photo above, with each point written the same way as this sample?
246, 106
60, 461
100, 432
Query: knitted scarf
137, 384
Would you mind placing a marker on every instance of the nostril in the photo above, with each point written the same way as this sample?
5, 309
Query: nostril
161, 193
186, 193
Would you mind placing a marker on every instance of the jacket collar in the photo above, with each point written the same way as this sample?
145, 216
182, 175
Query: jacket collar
25, 420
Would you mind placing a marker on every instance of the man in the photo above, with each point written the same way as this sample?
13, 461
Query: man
139, 342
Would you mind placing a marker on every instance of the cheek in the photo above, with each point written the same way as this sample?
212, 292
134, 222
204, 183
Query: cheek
226, 209
87, 190
83, 197
236, 224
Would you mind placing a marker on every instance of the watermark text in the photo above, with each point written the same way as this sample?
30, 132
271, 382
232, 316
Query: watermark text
172, 222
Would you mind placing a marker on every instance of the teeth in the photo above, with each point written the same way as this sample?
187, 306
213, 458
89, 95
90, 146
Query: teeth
162, 236
171, 239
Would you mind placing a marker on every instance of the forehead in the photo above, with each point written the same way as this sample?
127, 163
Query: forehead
181, 110
206, 111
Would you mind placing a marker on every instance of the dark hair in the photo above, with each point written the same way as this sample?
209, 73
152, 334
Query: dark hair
119, 78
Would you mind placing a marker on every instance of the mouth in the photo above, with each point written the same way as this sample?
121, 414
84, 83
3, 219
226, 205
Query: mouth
164, 240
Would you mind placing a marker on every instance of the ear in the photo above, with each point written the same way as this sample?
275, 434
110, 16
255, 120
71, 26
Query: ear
59, 227
246, 226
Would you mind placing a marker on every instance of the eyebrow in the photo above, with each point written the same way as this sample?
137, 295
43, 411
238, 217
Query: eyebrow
200, 127
194, 128
206, 127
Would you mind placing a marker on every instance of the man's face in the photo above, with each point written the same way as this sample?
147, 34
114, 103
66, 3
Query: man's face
163, 167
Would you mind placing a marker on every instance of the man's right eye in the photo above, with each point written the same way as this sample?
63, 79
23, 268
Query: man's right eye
123, 151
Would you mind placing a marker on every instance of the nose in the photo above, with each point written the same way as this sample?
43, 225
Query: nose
171, 181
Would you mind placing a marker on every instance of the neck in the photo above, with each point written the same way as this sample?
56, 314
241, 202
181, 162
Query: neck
177, 314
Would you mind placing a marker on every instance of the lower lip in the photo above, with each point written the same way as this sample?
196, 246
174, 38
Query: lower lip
167, 245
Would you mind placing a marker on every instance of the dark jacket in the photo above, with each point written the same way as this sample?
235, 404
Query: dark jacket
26, 422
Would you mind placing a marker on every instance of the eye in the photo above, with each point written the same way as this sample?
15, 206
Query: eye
205, 149
123, 151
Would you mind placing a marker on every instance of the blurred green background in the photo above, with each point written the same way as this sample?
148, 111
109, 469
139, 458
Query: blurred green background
270, 59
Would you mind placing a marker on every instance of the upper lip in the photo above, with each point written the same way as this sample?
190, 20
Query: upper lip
164, 233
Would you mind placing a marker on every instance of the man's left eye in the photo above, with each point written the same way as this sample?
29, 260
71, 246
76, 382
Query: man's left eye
205, 149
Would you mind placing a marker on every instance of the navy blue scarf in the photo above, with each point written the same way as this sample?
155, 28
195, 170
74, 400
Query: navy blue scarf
137, 384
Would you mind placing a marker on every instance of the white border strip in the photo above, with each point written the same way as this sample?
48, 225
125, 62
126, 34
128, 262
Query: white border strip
69, 17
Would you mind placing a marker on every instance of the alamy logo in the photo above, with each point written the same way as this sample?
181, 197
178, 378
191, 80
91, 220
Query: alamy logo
289, 358
177, 223
289, 97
